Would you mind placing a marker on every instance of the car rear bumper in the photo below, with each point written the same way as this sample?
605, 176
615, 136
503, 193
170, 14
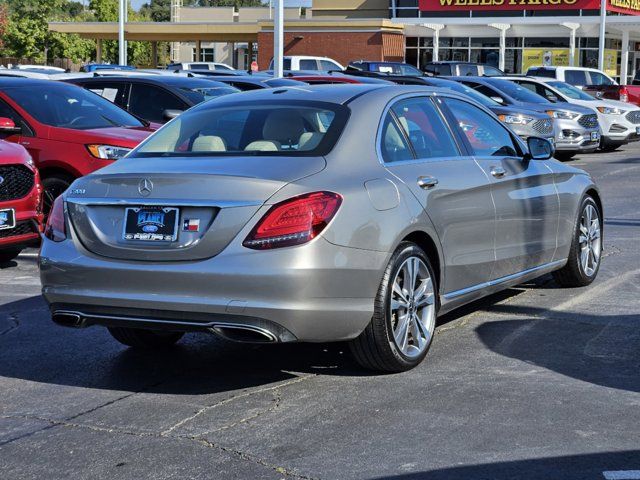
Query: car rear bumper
316, 292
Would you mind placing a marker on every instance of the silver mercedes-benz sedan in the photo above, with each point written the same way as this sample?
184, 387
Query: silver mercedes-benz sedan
330, 213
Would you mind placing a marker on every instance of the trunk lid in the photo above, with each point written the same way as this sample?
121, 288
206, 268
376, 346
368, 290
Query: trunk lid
214, 198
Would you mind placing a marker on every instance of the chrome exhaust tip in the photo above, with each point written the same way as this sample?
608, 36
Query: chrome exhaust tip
68, 319
244, 333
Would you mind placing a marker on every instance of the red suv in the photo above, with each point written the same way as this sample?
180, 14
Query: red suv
68, 130
20, 201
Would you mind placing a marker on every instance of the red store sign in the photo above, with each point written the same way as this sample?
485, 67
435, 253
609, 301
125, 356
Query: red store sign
630, 7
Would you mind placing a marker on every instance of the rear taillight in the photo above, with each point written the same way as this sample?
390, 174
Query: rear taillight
55, 229
624, 94
294, 221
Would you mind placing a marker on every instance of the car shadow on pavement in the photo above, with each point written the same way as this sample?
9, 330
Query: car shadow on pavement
592, 466
599, 349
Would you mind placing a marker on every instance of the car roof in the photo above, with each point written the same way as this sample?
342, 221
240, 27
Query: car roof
177, 81
22, 82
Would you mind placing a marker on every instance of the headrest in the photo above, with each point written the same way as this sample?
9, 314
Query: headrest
209, 143
263, 146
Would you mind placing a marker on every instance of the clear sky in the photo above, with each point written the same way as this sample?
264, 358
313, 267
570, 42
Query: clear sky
287, 3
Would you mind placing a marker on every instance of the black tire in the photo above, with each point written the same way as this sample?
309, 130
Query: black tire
7, 255
54, 186
563, 157
573, 273
610, 147
145, 339
375, 348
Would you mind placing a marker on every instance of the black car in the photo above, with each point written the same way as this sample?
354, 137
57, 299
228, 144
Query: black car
462, 69
389, 68
254, 82
155, 98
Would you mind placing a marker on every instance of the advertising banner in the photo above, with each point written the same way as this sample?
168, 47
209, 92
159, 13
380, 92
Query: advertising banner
533, 57
479, 5
611, 62
630, 7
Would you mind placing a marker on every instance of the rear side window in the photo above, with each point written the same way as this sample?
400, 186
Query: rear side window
112, 91
491, 71
425, 128
486, 136
393, 144
541, 72
150, 102
306, 64
575, 77
598, 78
288, 128
328, 66
199, 66
444, 70
467, 70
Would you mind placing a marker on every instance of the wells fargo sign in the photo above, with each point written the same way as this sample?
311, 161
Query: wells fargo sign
630, 7
461, 5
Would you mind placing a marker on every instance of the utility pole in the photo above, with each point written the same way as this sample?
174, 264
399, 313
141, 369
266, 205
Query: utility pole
278, 39
122, 46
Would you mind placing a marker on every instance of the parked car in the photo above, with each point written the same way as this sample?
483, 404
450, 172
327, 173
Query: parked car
338, 79
68, 131
342, 212
619, 121
523, 121
155, 98
389, 68
306, 62
212, 66
94, 67
596, 83
462, 69
577, 128
254, 82
39, 67
20, 199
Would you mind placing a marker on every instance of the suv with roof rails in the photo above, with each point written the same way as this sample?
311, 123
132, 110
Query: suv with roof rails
462, 69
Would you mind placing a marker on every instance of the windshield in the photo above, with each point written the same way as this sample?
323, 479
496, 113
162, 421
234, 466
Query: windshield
202, 94
571, 91
69, 106
290, 128
517, 92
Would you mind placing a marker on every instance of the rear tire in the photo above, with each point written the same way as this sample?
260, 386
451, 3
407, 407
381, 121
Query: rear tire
7, 255
585, 254
54, 186
145, 339
403, 324
610, 147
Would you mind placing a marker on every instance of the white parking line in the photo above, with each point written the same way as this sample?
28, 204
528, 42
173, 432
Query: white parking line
622, 475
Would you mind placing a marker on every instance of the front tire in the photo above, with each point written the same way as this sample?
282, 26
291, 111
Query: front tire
586, 248
404, 319
54, 186
145, 339
563, 157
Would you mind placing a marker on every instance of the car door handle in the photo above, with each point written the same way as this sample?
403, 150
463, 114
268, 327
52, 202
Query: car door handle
427, 182
498, 172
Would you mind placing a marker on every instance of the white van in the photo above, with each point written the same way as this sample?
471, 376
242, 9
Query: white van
304, 62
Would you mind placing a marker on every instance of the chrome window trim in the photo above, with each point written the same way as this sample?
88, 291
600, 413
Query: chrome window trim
168, 202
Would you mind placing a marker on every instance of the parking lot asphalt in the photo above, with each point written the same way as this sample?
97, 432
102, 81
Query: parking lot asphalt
533, 383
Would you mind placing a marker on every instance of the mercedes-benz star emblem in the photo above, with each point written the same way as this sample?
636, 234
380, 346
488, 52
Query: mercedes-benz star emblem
1, 180
145, 187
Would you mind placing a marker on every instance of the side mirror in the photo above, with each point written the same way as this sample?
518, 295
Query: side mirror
171, 114
539, 148
497, 99
8, 126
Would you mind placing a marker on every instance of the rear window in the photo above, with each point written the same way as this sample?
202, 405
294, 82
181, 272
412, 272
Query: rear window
541, 72
286, 128
202, 94
575, 77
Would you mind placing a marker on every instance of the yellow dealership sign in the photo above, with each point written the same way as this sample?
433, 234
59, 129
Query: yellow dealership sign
533, 57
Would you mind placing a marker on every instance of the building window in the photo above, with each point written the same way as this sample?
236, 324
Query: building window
206, 55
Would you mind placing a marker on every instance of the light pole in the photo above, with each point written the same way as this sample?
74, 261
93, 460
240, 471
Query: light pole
603, 21
122, 46
278, 39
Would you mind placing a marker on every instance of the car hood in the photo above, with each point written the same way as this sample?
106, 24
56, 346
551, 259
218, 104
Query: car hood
515, 110
12, 153
544, 107
118, 136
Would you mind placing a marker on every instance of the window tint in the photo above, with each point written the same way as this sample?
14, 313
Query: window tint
393, 145
542, 72
271, 128
308, 64
492, 71
598, 78
328, 65
425, 128
410, 71
467, 70
70, 106
486, 135
486, 91
199, 66
575, 77
112, 91
150, 102
571, 91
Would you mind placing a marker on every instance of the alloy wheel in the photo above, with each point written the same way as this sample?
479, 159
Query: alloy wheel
589, 240
412, 307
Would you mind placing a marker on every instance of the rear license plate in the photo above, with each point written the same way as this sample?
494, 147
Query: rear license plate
595, 136
151, 224
7, 219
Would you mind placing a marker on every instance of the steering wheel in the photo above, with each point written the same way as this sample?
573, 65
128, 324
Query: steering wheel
76, 119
